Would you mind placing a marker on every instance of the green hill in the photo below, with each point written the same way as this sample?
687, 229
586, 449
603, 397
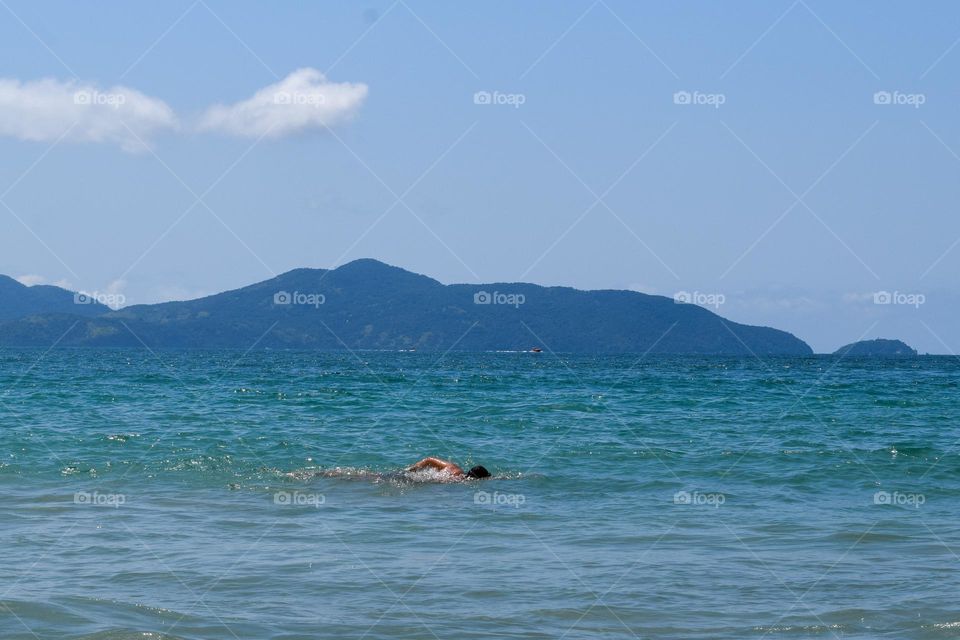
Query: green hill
370, 305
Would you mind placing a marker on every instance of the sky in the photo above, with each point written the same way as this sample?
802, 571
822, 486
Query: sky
785, 163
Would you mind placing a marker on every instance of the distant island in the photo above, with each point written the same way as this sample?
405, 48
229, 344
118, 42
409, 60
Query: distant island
877, 348
367, 304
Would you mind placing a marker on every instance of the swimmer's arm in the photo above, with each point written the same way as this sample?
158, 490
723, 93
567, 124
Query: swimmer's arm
429, 463
438, 464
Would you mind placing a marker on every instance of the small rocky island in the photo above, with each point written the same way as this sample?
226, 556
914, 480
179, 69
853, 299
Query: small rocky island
874, 348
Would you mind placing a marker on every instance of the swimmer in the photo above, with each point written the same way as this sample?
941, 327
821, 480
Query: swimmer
476, 473
444, 472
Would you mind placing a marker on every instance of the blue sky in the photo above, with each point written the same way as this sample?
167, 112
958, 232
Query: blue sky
792, 158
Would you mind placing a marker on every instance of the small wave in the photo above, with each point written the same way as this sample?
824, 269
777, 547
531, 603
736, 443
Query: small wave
122, 437
128, 634
945, 625
858, 537
805, 629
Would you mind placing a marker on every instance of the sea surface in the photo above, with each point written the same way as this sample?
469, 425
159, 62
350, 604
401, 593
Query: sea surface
229, 495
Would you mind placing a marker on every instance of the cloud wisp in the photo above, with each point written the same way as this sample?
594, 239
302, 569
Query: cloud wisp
303, 101
47, 110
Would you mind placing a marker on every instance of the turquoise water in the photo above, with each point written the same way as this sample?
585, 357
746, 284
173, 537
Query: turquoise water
176, 495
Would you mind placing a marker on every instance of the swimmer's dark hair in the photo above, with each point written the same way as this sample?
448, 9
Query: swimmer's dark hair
478, 472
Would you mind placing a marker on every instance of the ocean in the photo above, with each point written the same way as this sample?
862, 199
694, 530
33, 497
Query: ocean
230, 495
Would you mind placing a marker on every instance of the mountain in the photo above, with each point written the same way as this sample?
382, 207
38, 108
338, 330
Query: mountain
18, 300
370, 305
878, 347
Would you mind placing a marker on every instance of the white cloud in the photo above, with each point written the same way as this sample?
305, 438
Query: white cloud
30, 279
117, 286
302, 101
44, 110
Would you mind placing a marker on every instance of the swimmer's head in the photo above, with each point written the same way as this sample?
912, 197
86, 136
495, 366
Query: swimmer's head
478, 472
